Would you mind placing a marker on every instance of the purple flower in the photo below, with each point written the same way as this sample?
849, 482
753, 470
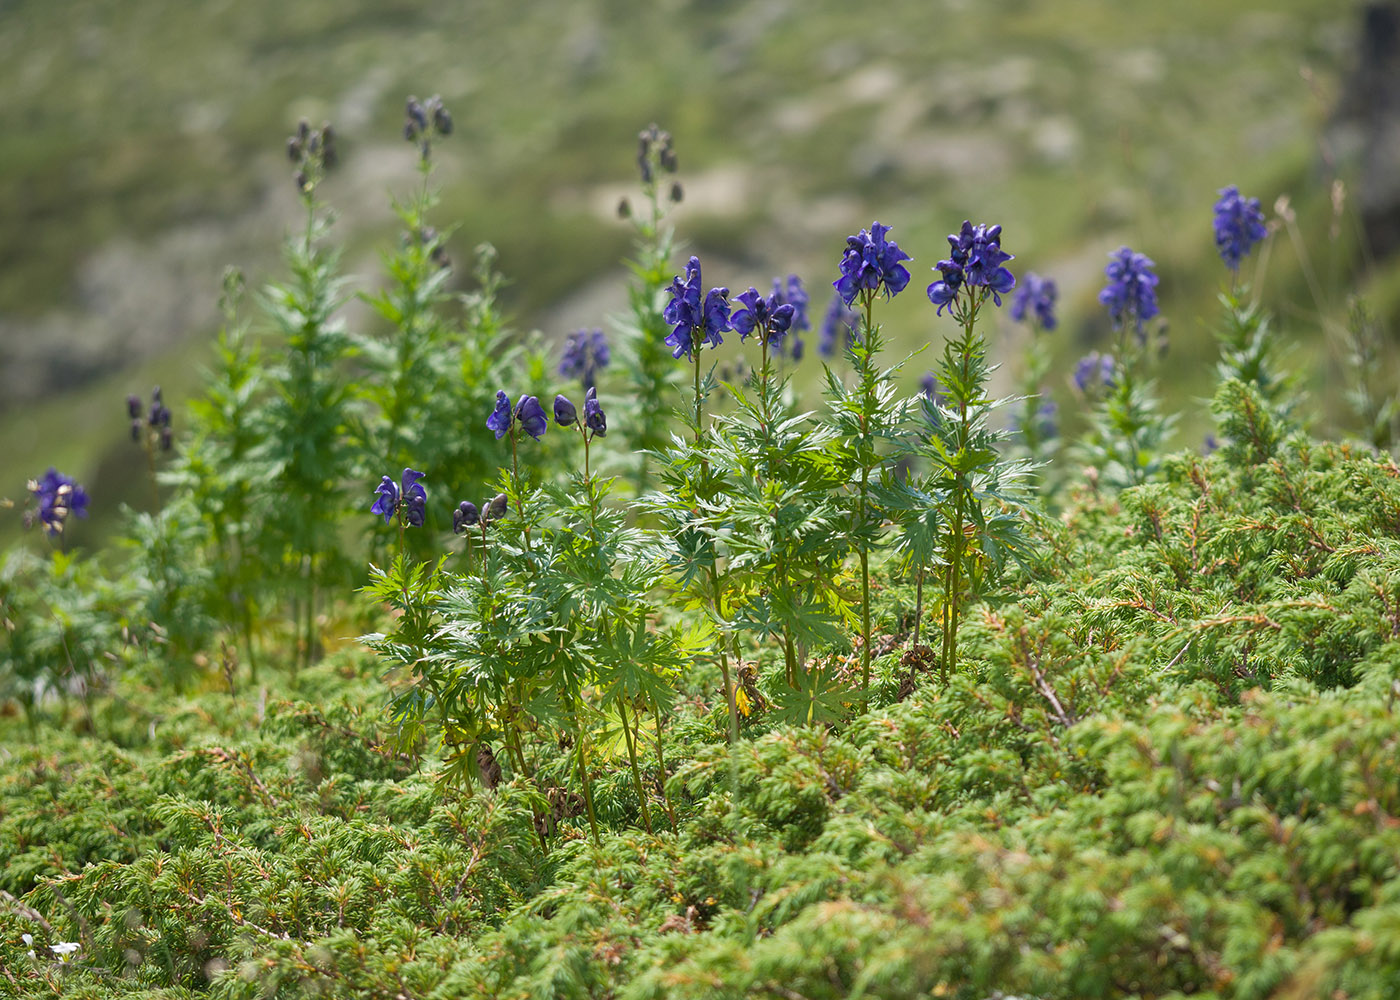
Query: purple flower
564, 412
585, 354
1239, 224
838, 318
789, 291
975, 262
501, 417
931, 390
693, 323
411, 496
465, 516
1036, 296
531, 416
593, 414
1094, 371
57, 496
871, 263
767, 317
1130, 295
496, 509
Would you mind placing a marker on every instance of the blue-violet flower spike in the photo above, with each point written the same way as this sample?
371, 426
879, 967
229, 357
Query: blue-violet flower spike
1130, 294
501, 416
871, 263
1036, 297
1239, 224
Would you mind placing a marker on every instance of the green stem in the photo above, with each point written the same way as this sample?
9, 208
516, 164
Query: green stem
581, 758
632, 759
865, 460
661, 761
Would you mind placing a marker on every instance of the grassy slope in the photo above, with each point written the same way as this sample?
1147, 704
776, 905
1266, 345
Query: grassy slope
1170, 770
1077, 125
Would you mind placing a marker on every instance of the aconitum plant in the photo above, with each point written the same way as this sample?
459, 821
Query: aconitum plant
696, 323
839, 323
586, 353
980, 512
408, 501
1127, 431
871, 266
769, 319
1131, 292
1239, 224
56, 497
1034, 302
1093, 372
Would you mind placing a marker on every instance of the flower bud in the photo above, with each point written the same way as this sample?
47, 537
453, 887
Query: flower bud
133, 407
167, 437
564, 412
496, 509
136, 426
464, 517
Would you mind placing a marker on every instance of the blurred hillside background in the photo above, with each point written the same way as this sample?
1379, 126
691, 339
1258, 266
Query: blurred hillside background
142, 151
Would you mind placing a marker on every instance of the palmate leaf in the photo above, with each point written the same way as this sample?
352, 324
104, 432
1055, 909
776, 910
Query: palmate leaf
818, 699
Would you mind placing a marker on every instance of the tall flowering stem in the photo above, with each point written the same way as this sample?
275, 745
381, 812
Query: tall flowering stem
695, 324
964, 461
871, 266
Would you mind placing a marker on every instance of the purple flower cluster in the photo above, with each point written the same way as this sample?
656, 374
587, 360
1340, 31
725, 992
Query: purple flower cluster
871, 264
566, 414
1035, 296
839, 318
1093, 372
768, 318
527, 412
695, 323
975, 262
1130, 295
790, 291
156, 420
57, 497
409, 500
585, 354
1239, 224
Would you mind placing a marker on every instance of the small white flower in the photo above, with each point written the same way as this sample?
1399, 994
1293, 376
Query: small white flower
64, 948
29, 940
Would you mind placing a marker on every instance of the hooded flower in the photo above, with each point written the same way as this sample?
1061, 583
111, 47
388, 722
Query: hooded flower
501, 417
769, 318
496, 509
695, 322
412, 497
565, 414
1035, 297
838, 319
1131, 292
531, 416
585, 354
58, 496
464, 517
1094, 371
975, 261
593, 415
871, 263
1239, 224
